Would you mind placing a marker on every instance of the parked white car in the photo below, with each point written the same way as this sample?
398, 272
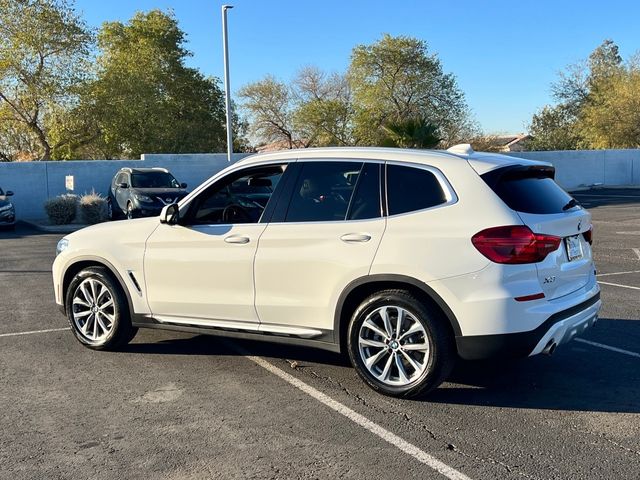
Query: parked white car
405, 259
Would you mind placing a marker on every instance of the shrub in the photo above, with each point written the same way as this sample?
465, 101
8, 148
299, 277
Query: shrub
61, 210
93, 208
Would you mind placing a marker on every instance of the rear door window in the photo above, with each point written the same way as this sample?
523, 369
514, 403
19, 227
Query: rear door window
323, 191
411, 188
529, 190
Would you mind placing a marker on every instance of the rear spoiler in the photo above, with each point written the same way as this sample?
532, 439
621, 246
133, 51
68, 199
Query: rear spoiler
511, 172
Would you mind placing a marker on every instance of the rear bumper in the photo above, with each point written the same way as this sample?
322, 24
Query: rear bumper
559, 328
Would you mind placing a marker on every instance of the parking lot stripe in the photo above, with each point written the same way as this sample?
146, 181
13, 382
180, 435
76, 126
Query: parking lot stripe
15, 334
364, 422
619, 285
608, 347
604, 196
617, 273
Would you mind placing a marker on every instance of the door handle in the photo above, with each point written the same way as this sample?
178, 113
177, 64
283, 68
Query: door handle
355, 237
237, 239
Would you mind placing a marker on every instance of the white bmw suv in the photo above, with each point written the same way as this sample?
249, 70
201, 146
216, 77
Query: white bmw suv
405, 259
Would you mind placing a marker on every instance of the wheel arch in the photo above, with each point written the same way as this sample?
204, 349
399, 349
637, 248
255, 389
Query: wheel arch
356, 291
84, 262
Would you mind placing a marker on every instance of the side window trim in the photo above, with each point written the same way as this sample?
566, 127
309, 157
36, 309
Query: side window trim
381, 182
282, 193
281, 207
354, 193
450, 194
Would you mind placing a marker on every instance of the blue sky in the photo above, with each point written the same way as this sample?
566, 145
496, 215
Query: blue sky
504, 54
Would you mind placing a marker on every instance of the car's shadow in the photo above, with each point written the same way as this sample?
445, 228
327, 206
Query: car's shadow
578, 377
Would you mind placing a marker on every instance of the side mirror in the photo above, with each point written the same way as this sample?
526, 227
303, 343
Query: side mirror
183, 185
122, 185
170, 214
8, 193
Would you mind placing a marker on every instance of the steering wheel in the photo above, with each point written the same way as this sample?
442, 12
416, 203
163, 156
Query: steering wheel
235, 213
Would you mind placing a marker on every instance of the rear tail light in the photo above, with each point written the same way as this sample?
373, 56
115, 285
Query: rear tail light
514, 244
588, 235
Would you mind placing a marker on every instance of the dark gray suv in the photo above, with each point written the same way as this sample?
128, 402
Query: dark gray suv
142, 192
7, 210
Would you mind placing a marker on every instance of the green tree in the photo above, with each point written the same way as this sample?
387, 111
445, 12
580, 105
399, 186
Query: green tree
554, 128
397, 78
269, 103
611, 117
411, 133
313, 110
44, 51
323, 108
582, 93
144, 99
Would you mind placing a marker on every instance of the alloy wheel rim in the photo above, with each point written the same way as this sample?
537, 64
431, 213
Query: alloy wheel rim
394, 346
93, 310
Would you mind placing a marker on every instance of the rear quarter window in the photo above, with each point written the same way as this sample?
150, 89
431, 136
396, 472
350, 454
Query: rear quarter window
529, 191
410, 189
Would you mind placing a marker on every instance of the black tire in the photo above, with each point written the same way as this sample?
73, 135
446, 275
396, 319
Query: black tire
130, 214
121, 331
441, 356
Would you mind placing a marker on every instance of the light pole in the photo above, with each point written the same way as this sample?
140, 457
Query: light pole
227, 91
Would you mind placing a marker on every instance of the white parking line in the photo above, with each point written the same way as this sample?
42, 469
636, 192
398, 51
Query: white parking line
619, 285
355, 417
607, 347
617, 273
604, 196
15, 334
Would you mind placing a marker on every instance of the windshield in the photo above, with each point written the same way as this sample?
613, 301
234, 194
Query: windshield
154, 180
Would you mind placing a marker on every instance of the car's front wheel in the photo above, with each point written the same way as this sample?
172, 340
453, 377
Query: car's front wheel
130, 214
399, 345
98, 311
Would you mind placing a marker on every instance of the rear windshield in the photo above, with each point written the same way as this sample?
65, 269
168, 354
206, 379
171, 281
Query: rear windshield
530, 191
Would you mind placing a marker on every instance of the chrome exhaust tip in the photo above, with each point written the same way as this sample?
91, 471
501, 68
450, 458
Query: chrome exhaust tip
550, 348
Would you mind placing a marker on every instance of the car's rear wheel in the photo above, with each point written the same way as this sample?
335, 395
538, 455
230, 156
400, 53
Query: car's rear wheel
400, 346
98, 311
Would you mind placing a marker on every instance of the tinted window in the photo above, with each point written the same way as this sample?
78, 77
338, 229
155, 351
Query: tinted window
410, 189
120, 178
533, 194
239, 198
154, 180
366, 199
323, 191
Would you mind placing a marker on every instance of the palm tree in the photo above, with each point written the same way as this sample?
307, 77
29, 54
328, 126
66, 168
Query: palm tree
411, 133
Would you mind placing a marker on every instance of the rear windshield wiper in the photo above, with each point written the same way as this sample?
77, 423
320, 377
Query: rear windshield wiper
570, 204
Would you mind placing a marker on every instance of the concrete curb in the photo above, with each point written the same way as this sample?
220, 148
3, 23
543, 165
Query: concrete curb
70, 228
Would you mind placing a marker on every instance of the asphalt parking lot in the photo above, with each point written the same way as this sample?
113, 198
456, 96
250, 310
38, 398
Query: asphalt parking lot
179, 406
